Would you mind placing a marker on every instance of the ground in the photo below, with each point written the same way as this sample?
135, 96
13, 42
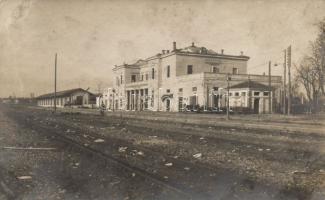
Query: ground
158, 156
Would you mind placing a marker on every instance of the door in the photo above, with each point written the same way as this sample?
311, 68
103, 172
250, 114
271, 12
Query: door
116, 104
215, 101
180, 104
256, 105
79, 100
167, 104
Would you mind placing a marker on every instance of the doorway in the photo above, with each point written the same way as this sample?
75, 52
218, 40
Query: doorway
180, 104
79, 100
256, 105
167, 104
216, 101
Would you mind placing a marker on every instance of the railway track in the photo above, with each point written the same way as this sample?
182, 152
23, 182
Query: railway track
220, 138
133, 170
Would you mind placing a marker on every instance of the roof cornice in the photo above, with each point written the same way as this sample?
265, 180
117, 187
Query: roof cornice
222, 56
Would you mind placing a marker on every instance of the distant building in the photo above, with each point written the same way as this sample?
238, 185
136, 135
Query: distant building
171, 80
75, 97
107, 98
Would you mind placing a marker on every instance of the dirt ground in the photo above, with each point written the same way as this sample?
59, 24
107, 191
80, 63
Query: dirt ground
65, 172
206, 162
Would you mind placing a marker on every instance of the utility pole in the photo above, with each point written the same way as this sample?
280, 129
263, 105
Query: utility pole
228, 79
289, 79
113, 100
207, 101
249, 93
55, 63
270, 89
284, 82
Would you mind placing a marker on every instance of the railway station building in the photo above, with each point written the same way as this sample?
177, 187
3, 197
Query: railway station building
77, 97
175, 79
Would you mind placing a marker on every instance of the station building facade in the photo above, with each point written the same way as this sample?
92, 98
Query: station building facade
174, 79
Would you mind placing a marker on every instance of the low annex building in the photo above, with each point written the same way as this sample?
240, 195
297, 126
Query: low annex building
73, 97
173, 80
250, 96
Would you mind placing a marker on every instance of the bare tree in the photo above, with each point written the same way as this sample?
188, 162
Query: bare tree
310, 72
308, 75
318, 55
295, 86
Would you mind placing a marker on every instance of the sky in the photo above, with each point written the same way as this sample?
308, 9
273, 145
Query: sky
91, 36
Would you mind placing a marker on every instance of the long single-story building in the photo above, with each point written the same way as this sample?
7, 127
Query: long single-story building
74, 97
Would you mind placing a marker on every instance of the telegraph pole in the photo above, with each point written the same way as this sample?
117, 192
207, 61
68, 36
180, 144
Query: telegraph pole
55, 63
284, 82
228, 79
289, 79
114, 100
270, 89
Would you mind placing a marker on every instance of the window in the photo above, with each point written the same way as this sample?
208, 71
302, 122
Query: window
215, 88
234, 70
230, 94
168, 71
243, 94
189, 69
121, 79
265, 94
152, 98
133, 78
153, 73
168, 90
236, 94
194, 89
180, 89
215, 69
146, 77
256, 93
141, 77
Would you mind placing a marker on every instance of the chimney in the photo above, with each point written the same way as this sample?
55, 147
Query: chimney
163, 51
241, 53
221, 51
192, 44
174, 46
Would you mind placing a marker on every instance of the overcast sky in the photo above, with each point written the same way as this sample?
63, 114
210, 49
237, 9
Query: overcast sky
91, 36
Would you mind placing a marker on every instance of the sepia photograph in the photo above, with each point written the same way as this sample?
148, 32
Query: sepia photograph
162, 99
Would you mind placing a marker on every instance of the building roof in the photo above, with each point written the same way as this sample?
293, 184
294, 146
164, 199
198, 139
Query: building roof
195, 49
190, 50
199, 51
64, 93
249, 84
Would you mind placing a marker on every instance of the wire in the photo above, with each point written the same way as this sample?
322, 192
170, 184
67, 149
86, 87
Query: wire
261, 64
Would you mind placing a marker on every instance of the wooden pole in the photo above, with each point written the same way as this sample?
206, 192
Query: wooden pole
55, 69
289, 79
228, 79
284, 82
270, 89
249, 93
